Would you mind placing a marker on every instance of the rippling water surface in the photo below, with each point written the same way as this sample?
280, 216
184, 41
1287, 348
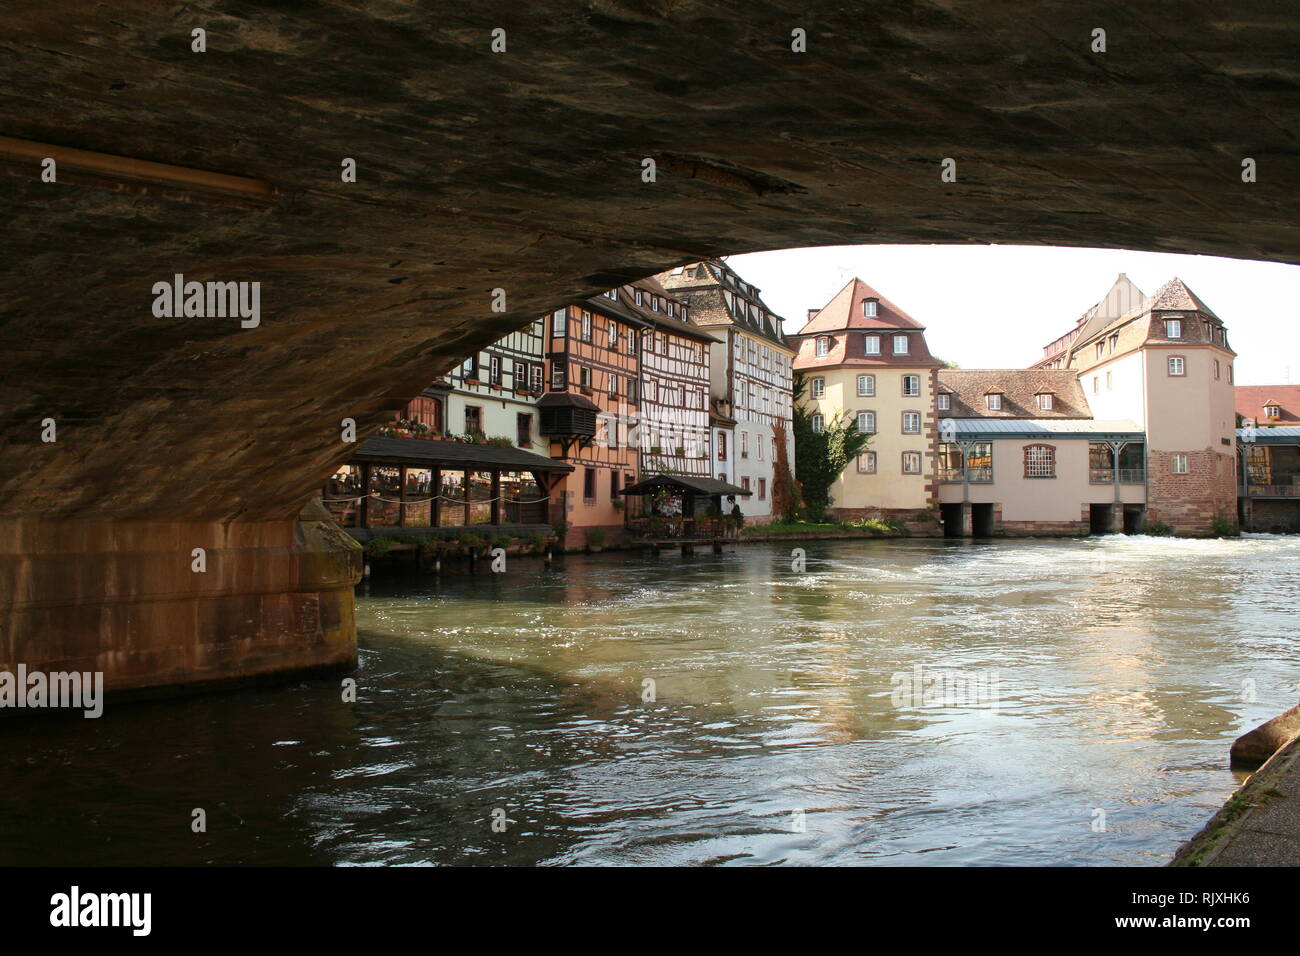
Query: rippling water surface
1124, 669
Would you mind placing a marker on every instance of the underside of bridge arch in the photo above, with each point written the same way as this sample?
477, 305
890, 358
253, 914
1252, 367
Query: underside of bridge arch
519, 170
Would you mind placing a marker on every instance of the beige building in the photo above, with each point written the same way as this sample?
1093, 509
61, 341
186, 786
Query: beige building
865, 358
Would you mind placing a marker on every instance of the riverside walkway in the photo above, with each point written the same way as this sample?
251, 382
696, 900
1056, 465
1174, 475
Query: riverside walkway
1260, 823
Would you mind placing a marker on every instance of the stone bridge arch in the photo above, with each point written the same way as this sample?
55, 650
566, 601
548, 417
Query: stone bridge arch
520, 170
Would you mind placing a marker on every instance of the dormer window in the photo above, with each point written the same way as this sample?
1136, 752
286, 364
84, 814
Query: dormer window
612, 294
1045, 400
993, 401
1173, 328
871, 344
900, 345
944, 401
640, 297
823, 346
869, 308
1273, 411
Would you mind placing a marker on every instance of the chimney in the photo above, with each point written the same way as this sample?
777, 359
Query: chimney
811, 313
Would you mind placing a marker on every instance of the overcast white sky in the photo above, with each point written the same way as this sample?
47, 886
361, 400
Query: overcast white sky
997, 306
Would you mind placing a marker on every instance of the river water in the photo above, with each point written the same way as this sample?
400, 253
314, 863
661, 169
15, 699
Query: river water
626, 709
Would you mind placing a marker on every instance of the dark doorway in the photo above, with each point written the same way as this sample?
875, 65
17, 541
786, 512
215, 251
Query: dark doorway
1100, 519
951, 515
981, 521
1134, 518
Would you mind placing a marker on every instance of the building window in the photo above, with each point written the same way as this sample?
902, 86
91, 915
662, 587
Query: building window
589, 485
473, 420
612, 294
759, 438
943, 401
1109, 381
535, 374
1179, 463
559, 322
869, 308
1173, 328
613, 337
867, 423
722, 446
523, 430
1217, 370
744, 482
911, 462
866, 386
911, 386
1273, 411
558, 375
613, 384
584, 376
1101, 349
818, 388
1096, 384
1177, 366
1040, 461
1114, 343
993, 401
494, 370
744, 444
911, 423
586, 326
867, 463
1044, 401
1229, 374
900, 345
762, 489
823, 346
639, 297
871, 344
818, 424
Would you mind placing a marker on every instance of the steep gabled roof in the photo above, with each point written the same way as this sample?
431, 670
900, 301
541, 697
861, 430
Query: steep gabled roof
705, 286
844, 311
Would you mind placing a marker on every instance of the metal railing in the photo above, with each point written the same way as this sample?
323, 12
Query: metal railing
1127, 476
976, 476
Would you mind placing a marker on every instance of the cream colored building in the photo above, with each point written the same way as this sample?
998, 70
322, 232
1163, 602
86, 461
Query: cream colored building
863, 357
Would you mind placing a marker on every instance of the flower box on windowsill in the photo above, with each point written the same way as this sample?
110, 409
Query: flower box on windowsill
585, 390
473, 381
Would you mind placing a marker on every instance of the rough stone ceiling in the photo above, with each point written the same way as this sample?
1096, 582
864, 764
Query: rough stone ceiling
521, 170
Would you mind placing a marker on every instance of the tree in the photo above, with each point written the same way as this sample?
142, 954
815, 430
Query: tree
821, 457
786, 500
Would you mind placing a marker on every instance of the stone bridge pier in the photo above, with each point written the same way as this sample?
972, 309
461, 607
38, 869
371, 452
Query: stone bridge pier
500, 156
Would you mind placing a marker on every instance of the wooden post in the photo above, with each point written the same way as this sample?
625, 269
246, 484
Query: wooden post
435, 513
496, 496
364, 504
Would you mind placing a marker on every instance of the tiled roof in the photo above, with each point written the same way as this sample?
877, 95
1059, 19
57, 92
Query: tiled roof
1019, 388
1174, 296
625, 307
844, 311
703, 284
1251, 400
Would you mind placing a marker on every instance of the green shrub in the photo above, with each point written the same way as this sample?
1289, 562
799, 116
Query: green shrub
1221, 527
378, 547
1157, 528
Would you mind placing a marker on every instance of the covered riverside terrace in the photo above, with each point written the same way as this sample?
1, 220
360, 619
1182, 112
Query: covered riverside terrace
411, 485
682, 509
1268, 493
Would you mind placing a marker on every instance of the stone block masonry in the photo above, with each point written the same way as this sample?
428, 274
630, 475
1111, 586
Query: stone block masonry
1189, 502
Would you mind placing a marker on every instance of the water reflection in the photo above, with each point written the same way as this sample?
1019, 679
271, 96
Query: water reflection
1120, 667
